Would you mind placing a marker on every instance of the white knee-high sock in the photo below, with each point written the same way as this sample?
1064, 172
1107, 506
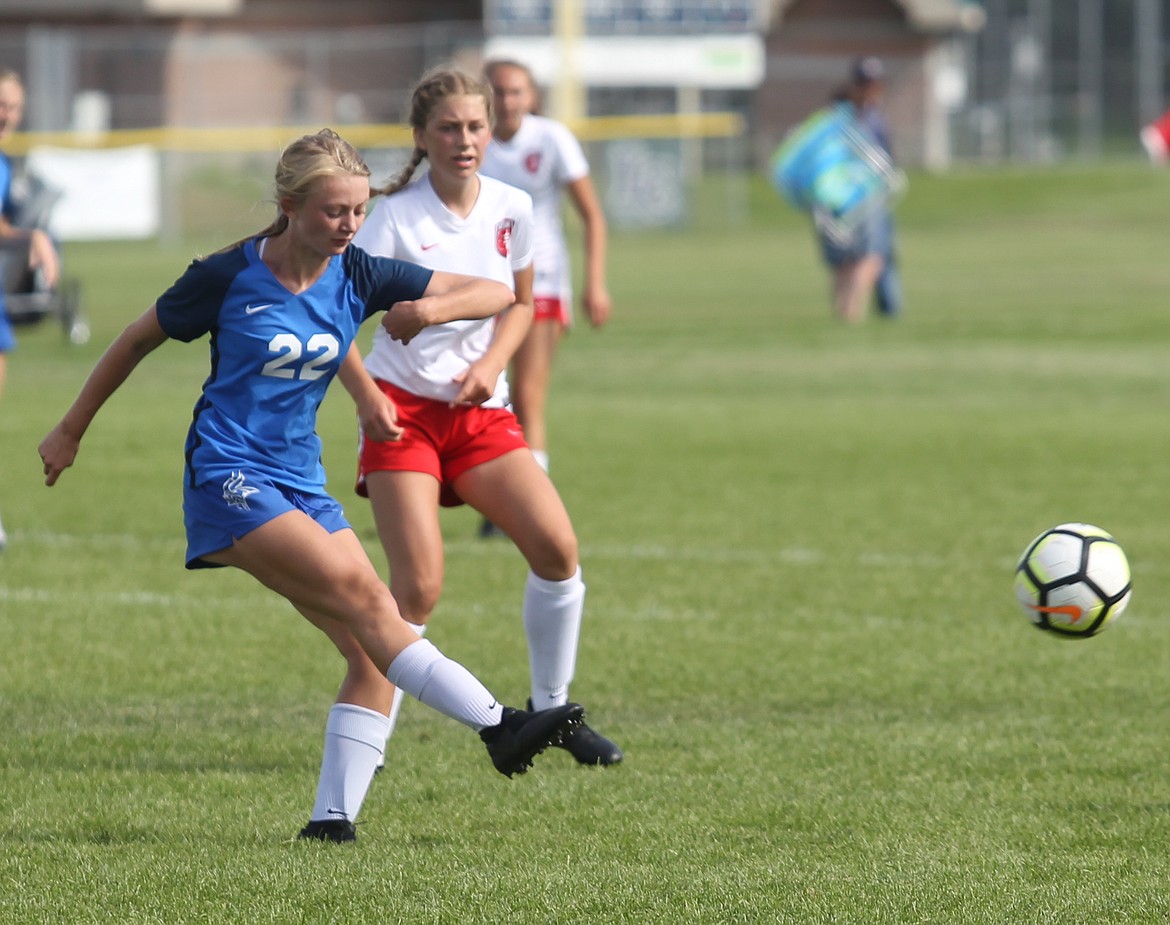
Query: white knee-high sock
396, 703
552, 622
541, 458
444, 685
354, 739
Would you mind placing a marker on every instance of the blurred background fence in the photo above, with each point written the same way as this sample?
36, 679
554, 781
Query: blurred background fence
209, 149
1039, 81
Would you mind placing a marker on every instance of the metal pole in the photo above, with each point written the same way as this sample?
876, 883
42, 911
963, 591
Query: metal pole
1090, 31
1042, 89
1147, 41
569, 28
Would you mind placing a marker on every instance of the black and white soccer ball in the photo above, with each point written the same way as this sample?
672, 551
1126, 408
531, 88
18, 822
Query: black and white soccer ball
1073, 580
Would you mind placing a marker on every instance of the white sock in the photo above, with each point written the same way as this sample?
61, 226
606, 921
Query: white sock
552, 622
396, 704
444, 685
354, 738
541, 458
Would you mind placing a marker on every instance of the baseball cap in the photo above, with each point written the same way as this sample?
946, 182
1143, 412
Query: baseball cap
868, 69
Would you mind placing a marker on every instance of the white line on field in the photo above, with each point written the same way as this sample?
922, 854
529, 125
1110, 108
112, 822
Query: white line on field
58, 595
794, 555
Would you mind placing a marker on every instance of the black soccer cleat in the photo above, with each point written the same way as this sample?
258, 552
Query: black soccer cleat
521, 735
587, 746
488, 530
337, 831
590, 747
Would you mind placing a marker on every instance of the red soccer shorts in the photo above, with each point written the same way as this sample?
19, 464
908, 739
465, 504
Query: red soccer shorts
549, 308
439, 439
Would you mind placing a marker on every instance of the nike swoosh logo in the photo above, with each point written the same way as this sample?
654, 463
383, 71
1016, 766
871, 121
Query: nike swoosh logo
427, 247
1072, 611
252, 309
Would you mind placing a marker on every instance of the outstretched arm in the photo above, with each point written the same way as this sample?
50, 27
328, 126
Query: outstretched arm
59, 448
595, 294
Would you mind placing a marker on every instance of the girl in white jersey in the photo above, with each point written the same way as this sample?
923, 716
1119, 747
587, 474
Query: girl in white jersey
453, 438
282, 309
541, 157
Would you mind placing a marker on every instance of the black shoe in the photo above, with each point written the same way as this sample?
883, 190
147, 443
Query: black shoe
587, 746
334, 830
488, 530
521, 735
590, 747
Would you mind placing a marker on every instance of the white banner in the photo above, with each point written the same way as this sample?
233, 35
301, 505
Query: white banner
711, 61
106, 193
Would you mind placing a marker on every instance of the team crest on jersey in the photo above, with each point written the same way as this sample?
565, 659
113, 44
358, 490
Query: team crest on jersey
504, 236
236, 493
532, 162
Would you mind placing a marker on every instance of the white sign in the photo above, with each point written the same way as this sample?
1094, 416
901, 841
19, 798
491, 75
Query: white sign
715, 62
106, 193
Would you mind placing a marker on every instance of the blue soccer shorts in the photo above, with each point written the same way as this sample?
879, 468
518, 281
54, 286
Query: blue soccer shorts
221, 510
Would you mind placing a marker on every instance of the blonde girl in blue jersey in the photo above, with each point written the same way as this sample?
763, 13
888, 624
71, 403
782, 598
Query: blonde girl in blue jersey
281, 310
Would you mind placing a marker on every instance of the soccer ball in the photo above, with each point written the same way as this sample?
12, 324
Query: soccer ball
1073, 580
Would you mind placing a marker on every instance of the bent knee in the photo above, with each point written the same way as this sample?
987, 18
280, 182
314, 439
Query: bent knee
417, 597
360, 592
557, 559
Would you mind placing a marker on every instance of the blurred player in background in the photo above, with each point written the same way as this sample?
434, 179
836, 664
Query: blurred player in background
867, 87
447, 435
282, 309
42, 254
541, 157
1155, 139
863, 264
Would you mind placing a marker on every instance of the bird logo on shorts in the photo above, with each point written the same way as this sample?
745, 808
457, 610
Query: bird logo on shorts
236, 493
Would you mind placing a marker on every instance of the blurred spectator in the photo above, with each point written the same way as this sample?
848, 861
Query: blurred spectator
42, 255
866, 89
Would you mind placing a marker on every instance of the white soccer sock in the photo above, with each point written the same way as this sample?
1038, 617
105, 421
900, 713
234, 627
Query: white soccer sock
396, 703
444, 685
354, 738
552, 621
541, 458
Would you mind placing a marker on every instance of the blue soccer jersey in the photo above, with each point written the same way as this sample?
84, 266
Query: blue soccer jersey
272, 355
7, 340
6, 205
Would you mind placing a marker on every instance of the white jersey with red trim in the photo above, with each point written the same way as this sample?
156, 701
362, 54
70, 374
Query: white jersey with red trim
494, 241
542, 158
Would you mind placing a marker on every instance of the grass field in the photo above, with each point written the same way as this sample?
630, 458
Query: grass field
798, 539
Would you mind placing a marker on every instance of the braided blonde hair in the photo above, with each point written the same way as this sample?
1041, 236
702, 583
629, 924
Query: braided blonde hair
305, 161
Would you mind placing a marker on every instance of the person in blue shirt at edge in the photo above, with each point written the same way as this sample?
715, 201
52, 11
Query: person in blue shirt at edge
282, 309
42, 254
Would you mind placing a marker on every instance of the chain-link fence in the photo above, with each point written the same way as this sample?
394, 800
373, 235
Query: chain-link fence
1050, 80
1044, 81
211, 110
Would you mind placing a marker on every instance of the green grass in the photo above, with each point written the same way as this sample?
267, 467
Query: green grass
798, 540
